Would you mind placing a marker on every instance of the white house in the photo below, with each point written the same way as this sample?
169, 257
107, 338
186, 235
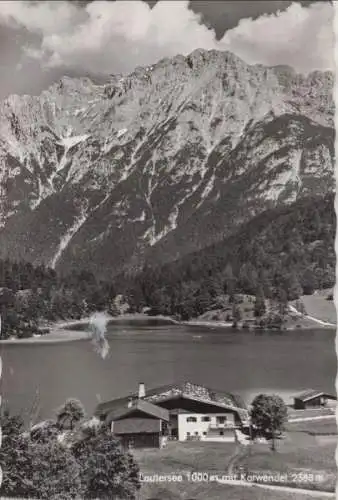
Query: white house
195, 412
206, 427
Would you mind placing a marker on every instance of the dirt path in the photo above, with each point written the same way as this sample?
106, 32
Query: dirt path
311, 419
240, 453
286, 489
311, 318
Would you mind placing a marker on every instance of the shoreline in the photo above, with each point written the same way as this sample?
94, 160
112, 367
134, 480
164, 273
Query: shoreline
317, 324
65, 331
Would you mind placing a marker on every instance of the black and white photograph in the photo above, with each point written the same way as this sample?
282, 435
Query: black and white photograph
167, 250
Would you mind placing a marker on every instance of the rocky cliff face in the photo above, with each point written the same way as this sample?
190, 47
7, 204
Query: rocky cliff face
160, 162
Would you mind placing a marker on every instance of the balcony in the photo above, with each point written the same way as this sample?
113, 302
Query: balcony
214, 426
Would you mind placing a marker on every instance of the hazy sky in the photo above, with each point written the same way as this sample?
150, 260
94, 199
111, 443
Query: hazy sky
42, 40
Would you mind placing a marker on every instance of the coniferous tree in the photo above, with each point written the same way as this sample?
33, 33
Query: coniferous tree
308, 282
70, 414
282, 300
259, 306
293, 287
229, 280
236, 315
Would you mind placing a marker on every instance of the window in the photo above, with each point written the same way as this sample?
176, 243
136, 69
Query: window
131, 443
221, 420
221, 433
205, 419
191, 419
196, 433
188, 433
204, 433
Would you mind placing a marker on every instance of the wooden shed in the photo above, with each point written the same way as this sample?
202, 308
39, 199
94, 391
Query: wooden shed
139, 424
312, 399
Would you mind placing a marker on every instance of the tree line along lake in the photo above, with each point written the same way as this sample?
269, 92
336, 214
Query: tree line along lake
38, 377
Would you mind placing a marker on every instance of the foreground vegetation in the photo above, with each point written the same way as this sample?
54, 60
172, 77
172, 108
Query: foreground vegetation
61, 459
71, 456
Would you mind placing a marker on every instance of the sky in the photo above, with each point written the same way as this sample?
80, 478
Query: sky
41, 41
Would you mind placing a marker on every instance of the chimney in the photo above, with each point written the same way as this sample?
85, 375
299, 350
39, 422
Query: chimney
130, 402
141, 390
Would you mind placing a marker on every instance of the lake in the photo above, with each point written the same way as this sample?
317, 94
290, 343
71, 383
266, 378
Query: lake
241, 362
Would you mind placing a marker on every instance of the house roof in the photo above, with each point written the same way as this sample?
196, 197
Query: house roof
196, 392
137, 426
311, 394
129, 407
186, 390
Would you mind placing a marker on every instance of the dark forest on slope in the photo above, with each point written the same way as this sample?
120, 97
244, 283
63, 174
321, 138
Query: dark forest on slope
285, 252
29, 295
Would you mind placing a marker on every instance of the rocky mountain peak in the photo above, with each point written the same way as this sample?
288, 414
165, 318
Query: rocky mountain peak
165, 159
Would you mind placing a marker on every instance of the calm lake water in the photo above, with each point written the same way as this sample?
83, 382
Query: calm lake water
235, 361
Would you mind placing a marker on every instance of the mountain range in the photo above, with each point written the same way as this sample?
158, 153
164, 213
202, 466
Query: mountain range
155, 165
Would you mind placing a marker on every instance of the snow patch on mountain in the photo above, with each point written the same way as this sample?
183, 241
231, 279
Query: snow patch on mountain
207, 190
43, 192
46, 189
78, 111
71, 141
273, 189
288, 180
133, 160
295, 159
151, 237
121, 132
65, 239
140, 218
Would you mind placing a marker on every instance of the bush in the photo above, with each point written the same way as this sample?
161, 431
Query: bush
38, 465
39, 470
24, 333
106, 471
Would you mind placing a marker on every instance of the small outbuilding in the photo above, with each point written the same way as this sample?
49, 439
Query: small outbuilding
139, 424
312, 399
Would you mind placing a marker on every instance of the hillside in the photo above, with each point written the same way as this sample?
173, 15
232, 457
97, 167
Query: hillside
160, 163
278, 257
319, 306
297, 238
281, 254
